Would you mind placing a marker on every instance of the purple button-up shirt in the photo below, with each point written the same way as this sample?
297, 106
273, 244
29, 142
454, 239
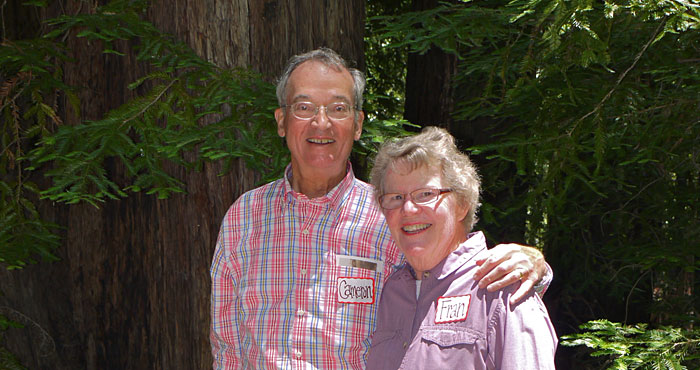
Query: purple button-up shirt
454, 324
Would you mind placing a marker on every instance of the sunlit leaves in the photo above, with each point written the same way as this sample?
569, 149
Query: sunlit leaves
590, 112
637, 346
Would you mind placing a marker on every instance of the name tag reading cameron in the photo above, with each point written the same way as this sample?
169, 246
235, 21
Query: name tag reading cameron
452, 309
355, 290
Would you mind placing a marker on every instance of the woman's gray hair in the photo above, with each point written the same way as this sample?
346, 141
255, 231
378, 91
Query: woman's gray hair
329, 58
434, 146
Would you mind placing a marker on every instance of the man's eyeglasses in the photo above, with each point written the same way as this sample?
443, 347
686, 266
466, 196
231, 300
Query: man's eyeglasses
307, 110
420, 196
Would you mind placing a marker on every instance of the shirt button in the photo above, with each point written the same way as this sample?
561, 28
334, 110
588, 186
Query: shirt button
405, 344
305, 232
303, 272
300, 312
297, 353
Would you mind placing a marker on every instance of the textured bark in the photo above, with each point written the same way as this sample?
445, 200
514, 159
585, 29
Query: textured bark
429, 99
132, 288
431, 95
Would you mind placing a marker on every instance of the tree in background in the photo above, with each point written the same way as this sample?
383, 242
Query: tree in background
128, 128
583, 115
588, 141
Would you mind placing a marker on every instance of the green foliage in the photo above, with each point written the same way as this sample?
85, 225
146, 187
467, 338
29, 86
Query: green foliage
133, 134
374, 133
23, 234
384, 93
190, 106
386, 66
8, 361
27, 115
638, 347
593, 152
186, 111
6, 323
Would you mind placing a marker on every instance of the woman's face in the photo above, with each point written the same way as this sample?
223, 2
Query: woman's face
425, 233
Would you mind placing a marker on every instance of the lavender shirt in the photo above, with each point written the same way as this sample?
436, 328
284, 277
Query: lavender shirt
454, 324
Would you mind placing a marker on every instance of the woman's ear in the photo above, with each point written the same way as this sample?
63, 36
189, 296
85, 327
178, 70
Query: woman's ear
462, 212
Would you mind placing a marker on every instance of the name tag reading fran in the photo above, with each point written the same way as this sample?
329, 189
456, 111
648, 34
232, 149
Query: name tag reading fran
355, 290
452, 309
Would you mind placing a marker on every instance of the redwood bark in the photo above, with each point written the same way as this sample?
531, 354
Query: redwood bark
429, 98
131, 290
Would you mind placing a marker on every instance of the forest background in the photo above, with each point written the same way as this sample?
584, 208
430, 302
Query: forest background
128, 128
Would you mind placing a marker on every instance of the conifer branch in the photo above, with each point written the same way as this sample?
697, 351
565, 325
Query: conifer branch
621, 77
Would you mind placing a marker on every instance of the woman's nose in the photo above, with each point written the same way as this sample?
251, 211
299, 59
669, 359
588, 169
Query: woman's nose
409, 207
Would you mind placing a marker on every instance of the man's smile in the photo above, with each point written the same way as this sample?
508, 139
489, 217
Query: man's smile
320, 141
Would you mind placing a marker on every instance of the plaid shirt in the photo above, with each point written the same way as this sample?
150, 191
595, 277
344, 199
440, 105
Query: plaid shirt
296, 281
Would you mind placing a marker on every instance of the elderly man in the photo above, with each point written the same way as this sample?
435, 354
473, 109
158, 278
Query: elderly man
300, 262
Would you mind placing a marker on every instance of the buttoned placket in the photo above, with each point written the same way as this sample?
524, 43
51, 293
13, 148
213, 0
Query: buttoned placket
410, 286
428, 282
309, 212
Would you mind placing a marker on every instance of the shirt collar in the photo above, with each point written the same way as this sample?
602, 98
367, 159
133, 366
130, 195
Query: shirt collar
333, 198
475, 243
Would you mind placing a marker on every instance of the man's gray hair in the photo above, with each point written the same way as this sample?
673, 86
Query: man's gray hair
432, 147
329, 58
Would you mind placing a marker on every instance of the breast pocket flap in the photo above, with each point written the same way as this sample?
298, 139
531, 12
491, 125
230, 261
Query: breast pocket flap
449, 337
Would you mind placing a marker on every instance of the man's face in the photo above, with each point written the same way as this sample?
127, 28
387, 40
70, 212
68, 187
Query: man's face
319, 143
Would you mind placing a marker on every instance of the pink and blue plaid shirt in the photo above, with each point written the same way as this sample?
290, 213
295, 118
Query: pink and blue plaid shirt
296, 281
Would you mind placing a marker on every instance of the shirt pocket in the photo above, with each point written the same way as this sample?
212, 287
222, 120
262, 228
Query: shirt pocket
350, 304
452, 337
349, 282
381, 336
447, 347
386, 350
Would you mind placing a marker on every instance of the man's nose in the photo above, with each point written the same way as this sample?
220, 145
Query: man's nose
321, 118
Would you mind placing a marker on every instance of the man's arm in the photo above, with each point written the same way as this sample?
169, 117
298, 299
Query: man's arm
506, 264
223, 334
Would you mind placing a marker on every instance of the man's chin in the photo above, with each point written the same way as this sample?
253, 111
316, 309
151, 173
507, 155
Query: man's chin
327, 164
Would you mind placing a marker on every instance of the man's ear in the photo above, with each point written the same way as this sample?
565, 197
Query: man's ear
358, 125
279, 117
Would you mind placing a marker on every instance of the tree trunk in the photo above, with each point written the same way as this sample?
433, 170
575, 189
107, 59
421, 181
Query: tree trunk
429, 99
431, 96
131, 290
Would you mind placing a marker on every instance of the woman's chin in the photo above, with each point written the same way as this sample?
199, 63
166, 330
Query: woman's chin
414, 255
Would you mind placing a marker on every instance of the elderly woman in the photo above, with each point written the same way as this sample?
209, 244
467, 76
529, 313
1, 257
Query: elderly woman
432, 314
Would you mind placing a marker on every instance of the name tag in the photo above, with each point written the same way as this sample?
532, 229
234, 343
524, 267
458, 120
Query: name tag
452, 309
355, 290
359, 262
